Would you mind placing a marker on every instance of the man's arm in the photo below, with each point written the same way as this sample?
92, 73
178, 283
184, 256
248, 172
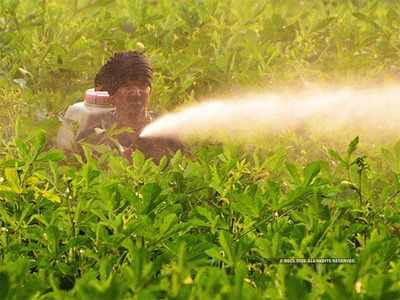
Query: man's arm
156, 148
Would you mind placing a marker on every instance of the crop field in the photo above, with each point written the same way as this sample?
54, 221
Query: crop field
296, 217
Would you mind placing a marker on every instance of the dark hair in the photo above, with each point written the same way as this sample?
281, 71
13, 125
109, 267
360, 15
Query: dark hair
121, 68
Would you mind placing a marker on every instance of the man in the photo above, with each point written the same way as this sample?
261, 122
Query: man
127, 77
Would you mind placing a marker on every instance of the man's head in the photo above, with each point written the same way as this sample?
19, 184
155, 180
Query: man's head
126, 76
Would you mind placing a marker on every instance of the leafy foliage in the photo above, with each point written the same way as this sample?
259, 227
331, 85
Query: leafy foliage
210, 226
213, 225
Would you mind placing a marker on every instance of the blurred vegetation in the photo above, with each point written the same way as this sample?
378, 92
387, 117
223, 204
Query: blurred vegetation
51, 50
213, 225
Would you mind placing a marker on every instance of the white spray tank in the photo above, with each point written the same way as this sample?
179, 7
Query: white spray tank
84, 116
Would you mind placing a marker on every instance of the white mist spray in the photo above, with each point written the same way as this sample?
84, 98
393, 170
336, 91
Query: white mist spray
374, 110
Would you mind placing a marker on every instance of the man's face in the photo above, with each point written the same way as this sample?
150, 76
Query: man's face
132, 97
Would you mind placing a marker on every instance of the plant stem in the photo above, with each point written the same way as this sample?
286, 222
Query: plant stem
70, 204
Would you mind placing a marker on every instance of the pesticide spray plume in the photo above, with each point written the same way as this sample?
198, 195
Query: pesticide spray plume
374, 112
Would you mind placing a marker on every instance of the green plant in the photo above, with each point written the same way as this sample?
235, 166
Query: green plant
213, 225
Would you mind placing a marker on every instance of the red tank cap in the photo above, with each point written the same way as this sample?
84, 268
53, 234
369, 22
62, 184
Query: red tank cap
97, 97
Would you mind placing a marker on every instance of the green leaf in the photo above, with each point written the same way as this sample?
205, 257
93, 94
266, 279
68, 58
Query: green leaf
205, 213
295, 288
4, 285
52, 155
51, 197
258, 9
150, 191
367, 19
39, 142
167, 223
52, 237
323, 24
335, 155
5, 188
215, 253
12, 178
87, 152
138, 159
294, 173
353, 146
226, 242
23, 148
18, 127
311, 171
245, 205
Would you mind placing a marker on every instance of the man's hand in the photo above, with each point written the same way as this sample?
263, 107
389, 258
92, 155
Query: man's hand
127, 152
